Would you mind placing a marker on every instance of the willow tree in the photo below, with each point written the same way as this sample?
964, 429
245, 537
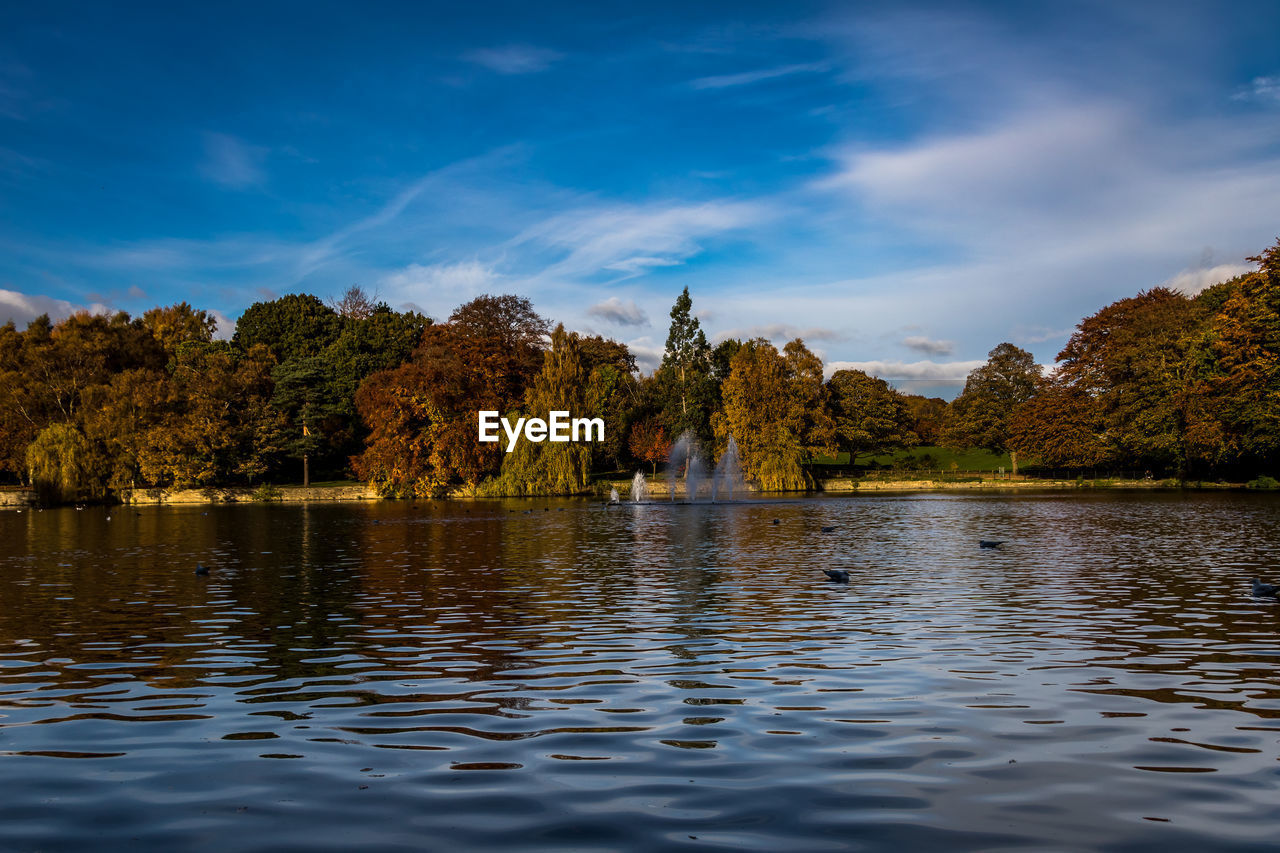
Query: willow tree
552, 467
64, 465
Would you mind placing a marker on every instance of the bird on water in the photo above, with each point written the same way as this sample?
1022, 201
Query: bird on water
1261, 589
837, 575
828, 529
990, 543
202, 569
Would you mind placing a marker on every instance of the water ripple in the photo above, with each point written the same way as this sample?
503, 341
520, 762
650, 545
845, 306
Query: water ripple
659, 677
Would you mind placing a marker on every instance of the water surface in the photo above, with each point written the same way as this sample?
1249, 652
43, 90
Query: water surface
554, 675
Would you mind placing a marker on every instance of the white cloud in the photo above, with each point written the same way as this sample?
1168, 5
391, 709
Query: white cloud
443, 286
928, 346
614, 310
231, 162
648, 353
514, 58
22, 308
1192, 281
915, 370
226, 326
1048, 216
746, 78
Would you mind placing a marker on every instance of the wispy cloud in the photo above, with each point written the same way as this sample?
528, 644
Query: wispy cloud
1260, 89
514, 58
15, 163
1031, 335
779, 332
746, 78
640, 264
631, 239
615, 310
15, 95
232, 162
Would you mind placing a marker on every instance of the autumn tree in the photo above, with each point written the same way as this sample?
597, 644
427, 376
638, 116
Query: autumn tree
649, 442
22, 411
46, 371
1061, 426
509, 335
979, 417
1241, 371
870, 416
613, 393
422, 415
1136, 359
926, 416
215, 425
179, 324
764, 410
810, 415
118, 418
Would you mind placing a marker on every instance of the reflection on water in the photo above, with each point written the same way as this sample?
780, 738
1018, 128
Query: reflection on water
556, 674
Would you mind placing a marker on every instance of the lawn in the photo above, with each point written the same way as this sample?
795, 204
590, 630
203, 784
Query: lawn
926, 458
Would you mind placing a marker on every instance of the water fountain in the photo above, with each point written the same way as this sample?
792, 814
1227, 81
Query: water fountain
613, 496
725, 482
728, 480
685, 453
639, 489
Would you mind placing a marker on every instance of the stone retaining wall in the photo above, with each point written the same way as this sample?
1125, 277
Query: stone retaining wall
17, 497
285, 494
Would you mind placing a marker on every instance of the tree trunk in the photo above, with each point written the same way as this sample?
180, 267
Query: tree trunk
1013, 461
306, 471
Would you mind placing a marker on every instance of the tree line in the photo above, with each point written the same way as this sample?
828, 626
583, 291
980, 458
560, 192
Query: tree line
1185, 386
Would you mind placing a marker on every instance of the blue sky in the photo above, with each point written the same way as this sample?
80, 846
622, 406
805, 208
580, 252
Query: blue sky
903, 185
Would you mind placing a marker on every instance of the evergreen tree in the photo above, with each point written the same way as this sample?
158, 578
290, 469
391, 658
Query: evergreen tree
686, 390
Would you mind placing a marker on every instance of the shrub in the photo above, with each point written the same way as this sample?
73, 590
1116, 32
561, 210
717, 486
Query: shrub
267, 492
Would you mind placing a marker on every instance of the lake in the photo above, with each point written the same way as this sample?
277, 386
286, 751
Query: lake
557, 675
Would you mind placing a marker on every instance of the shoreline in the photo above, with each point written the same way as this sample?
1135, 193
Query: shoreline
852, 485
18, 498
